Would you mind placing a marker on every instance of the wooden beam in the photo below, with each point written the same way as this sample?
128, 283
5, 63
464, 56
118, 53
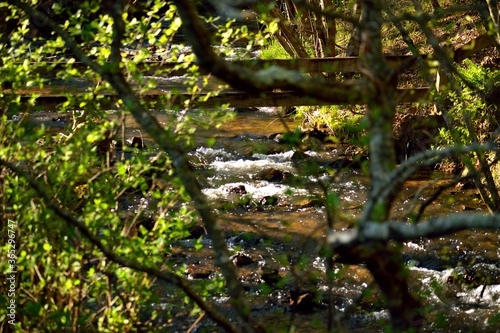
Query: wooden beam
238, 99
305, 65
162, 100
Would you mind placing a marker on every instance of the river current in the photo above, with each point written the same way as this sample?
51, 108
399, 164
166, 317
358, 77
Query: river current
279, 224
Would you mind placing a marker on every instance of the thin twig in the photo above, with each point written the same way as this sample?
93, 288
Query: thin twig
196, 322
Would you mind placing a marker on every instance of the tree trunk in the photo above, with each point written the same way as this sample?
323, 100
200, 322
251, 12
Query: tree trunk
355, 40
287, 35
328, 31
384, 262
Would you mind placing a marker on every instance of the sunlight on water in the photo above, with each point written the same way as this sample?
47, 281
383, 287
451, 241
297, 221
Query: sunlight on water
256, 189
281, 157
214, 153
247, 167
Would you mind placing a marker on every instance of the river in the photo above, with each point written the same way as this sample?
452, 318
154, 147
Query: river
277, 224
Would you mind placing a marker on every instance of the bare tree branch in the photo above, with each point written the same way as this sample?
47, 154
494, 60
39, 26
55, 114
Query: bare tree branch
118, 34
288, 35
427, 158
436, 195
402, 231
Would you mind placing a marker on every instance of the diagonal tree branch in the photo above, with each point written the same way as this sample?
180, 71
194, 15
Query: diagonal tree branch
167, 141
402, 231
427, 158
246, 79
116, 10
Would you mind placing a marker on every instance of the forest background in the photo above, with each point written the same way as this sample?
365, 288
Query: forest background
79, 264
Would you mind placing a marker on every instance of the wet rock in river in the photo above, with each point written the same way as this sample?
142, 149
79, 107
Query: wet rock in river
176, 258
197, 231
348, 162
302, 301
341, 163
309, 203
278, 137
61, 119
148, 223
241, 259
299, 156
268, 201
271, 175
275, 136
245, 239
246, 109
269, 275
136, 142
314, 144
198, 270
320, 132
118, 145
288, 110
239, 189
105, 146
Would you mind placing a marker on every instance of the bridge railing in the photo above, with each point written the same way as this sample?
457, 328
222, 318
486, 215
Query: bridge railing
51, 97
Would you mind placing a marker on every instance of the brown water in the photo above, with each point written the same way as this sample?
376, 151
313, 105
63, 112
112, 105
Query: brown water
294, 228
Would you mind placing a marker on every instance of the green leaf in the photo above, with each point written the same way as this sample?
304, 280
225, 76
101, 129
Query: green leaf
92, 137
211, 142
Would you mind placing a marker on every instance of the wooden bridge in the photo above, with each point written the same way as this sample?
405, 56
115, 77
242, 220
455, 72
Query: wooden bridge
54, 96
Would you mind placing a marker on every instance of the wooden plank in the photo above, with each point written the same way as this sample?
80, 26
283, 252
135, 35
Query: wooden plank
238, 99
234, 99
309, 65
323, 65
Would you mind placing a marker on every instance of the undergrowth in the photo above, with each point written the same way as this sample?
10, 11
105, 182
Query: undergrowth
342, 124
467, 105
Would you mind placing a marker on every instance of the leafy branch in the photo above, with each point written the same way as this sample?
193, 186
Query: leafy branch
134, 264
165, 139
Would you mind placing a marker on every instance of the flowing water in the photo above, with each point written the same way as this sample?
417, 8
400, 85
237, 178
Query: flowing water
275, 218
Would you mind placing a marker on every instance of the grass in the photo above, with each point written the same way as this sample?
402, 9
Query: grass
274, 50
343, 124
